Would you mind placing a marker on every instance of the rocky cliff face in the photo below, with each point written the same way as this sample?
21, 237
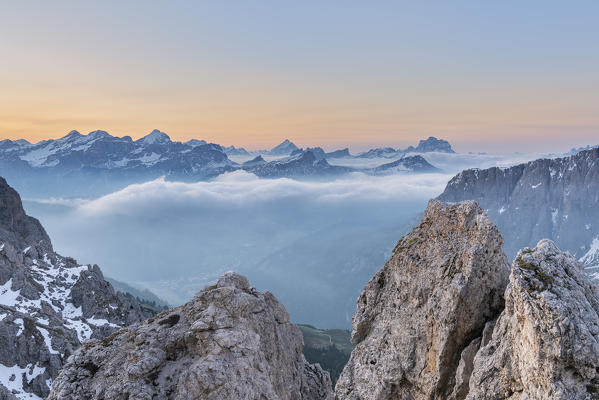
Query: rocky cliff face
418, 315
545, 344
49, 304
556, 199
16, 227
430, 324
229, 342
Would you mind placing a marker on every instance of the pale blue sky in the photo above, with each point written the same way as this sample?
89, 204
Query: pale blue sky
483, 74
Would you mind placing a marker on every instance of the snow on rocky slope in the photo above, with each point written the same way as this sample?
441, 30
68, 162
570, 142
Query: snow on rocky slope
556, 199
229, 342
49, 304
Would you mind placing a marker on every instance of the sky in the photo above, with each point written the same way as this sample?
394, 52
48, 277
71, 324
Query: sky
486, 75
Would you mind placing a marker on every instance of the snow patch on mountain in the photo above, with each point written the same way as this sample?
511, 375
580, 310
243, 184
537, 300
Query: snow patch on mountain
591, 259
12, 378
154, 137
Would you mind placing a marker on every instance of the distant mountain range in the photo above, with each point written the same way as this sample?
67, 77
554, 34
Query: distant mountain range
432, 144
98, 163
546, 198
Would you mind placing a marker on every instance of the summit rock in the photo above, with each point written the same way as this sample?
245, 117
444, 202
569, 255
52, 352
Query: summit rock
230, 342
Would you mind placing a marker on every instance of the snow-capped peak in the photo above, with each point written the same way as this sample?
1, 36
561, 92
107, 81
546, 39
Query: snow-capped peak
72, 135
285, 148
154, 137
98, 134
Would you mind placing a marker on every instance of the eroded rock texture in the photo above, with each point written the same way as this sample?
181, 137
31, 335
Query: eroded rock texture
546, 343
229, 342
430, 324
555, 199
420, 313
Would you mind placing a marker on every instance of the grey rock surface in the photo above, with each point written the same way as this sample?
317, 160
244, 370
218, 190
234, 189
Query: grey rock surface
430, 324
15, 226
545, 344
557, 199
229, 342
418, 315
49, 304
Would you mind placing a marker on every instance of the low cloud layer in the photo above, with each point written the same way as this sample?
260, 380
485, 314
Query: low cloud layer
241, 189
313, 244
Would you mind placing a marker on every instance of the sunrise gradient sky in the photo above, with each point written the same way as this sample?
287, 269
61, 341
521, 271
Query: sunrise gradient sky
486, 75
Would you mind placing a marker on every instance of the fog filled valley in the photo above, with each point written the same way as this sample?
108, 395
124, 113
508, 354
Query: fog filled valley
313, 242
228, 250
190, 249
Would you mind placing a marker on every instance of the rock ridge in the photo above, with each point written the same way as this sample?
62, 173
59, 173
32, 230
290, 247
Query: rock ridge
545, 344
49, 304
230, 342
424, 331
419, 313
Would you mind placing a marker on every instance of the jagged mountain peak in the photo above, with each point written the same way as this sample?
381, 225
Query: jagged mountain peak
70, 137
431, 144
49, 304
442, 319
545, 198
258, 160
544, 344
231, 341
406, 164
154, 137
73, 133
285, 148
442, 285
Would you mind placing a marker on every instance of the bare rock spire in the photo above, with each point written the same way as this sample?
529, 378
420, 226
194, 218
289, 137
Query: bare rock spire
424, 308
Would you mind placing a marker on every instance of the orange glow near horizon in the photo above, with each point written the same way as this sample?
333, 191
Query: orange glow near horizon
483, 77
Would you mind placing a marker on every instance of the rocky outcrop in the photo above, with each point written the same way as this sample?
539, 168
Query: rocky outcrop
419, 315
15, 226
229, 342
431, 144
557, 199
430, 324
545, 344
409, 164
49, 304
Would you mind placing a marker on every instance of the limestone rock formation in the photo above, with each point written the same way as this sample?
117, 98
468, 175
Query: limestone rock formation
431, 323
229, 342
419, 314
49, 304
545, 344
555, 199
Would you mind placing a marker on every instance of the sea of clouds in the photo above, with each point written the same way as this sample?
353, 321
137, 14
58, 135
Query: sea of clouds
314, 244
